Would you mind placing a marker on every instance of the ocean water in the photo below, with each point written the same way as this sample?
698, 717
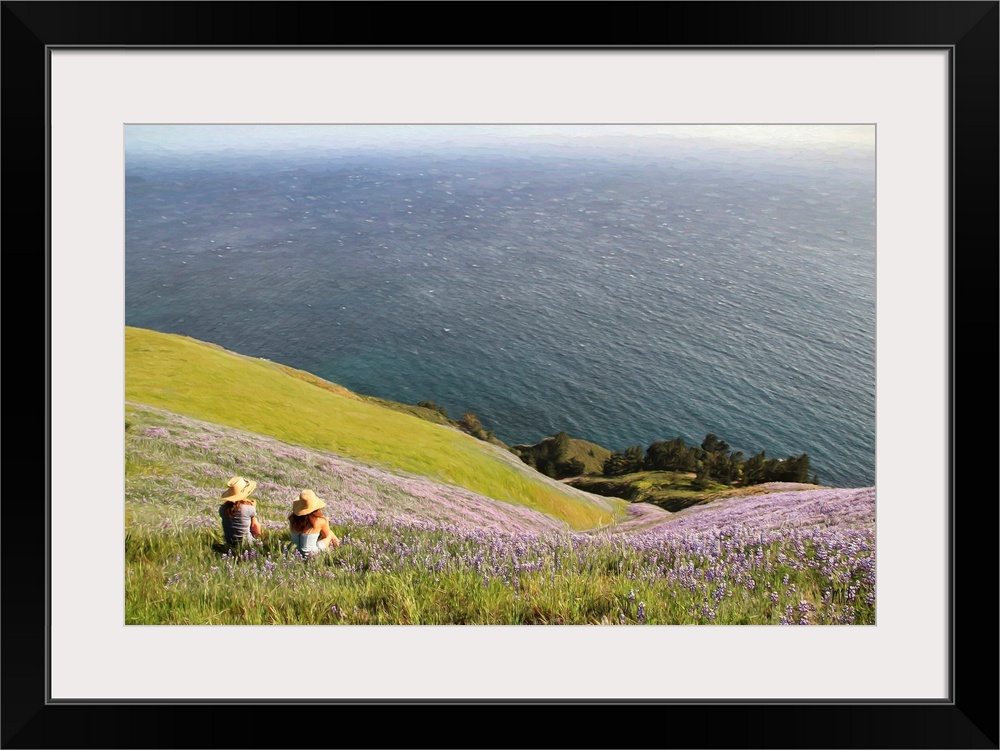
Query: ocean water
621, 300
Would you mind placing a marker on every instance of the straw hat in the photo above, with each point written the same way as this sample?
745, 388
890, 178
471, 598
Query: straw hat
238, 488
307, 503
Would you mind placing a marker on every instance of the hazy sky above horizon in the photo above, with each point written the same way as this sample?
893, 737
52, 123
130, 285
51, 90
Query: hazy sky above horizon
203, 138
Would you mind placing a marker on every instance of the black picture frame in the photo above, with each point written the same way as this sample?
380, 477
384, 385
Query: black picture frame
968, 30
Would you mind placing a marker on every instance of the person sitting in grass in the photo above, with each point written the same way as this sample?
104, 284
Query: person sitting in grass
240, 523
311, 531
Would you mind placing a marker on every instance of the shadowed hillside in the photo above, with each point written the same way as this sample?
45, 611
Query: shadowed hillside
563, 456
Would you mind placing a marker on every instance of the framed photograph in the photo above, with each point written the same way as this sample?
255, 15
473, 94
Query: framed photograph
905, 93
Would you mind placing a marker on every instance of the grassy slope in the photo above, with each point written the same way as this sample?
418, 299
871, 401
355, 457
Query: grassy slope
206, 382
176, 467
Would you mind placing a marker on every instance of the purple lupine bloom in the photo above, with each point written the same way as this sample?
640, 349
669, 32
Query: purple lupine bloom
704, 550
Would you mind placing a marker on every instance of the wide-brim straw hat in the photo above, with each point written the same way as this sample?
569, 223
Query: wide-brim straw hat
238, 488
307, 503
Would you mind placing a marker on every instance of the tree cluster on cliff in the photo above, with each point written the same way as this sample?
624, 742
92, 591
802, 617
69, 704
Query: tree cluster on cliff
711, 461
552, 457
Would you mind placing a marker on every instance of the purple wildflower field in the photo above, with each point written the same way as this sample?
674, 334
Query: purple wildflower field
790, 556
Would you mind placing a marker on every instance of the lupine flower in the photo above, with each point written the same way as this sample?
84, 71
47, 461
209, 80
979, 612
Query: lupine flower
406, 524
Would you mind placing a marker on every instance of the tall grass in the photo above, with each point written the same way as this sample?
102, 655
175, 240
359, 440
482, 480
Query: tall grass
397, 573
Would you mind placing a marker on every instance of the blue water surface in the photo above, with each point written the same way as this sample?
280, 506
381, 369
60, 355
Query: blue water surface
621, 301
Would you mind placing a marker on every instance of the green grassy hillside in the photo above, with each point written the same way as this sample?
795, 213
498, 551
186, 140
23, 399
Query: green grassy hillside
206, 382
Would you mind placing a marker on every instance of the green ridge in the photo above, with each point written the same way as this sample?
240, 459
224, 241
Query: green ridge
207, 382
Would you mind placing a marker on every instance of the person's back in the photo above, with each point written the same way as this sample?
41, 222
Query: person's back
236, 528
307, 544
238, 512
310, 531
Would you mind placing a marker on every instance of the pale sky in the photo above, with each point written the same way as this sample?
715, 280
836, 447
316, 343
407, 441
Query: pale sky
268, 137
